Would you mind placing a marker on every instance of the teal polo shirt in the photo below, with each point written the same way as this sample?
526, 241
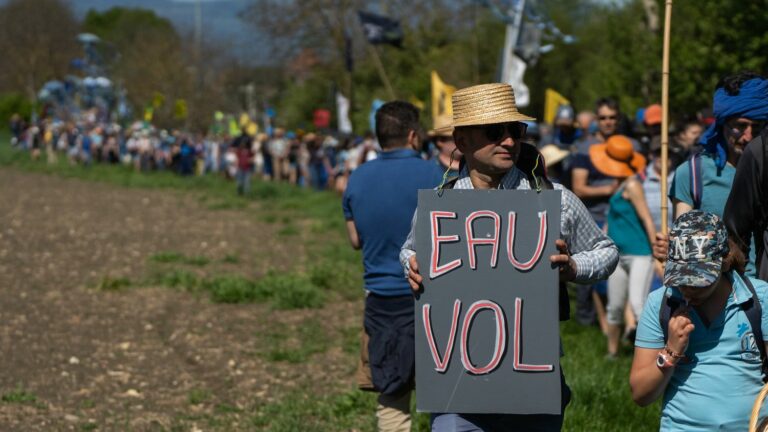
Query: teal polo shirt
716, 186
714, 388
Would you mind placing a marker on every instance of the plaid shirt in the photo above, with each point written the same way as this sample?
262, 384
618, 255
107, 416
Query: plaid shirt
592, 250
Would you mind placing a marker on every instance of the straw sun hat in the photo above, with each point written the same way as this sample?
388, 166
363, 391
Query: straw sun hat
484, 104
616, 157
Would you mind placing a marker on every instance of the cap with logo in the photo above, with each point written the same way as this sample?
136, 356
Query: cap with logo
698, 242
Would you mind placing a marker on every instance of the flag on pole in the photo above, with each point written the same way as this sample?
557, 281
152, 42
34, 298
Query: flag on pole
441, 97
552, 100
342, 110
513, 75
381, 29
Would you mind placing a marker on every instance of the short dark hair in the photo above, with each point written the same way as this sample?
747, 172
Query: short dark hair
394, 120
732, 83
609, 102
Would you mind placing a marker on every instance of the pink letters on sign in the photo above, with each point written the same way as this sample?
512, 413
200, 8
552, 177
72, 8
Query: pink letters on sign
441, 364
435, 269
472, 240
539, 246
500, 340
518, 365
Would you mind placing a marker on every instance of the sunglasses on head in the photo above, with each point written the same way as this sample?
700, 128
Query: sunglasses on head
497, 131
738, 128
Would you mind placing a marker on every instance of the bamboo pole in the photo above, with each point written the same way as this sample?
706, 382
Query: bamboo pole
382, 73
665, 116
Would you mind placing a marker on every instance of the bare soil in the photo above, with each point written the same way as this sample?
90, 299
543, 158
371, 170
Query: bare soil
142, 358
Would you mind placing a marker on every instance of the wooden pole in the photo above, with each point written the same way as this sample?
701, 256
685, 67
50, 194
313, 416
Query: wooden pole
380, 68
665, 116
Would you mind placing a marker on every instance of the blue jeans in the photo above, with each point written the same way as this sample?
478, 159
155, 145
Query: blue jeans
243, 178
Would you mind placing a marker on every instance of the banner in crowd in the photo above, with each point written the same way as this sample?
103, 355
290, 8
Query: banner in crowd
441, 97
552, 100
321, 118
342, 110
513, 74
487, 323
379, 29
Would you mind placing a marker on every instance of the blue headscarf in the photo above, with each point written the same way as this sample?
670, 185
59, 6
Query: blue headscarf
751, 103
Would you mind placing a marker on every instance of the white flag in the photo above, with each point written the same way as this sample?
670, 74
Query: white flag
514, 77
342, 108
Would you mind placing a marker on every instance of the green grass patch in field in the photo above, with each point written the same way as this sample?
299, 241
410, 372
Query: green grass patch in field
167, 257
337, 276
296, 345
198, 396
19, 396
350, 339
178, 278
109, 283
292, 291
288, 231
170, 257
234, 289
231, 259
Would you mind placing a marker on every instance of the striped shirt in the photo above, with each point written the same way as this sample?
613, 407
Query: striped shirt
593, 252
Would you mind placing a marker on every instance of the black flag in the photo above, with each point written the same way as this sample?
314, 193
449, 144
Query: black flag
380, 29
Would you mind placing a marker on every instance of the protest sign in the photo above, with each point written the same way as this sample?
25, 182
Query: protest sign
487, 328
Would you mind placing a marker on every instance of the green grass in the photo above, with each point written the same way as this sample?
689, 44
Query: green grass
296, 345
19, 396
171, 257
198, 396
109, 283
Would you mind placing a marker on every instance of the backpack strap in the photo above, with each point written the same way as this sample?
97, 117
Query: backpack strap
668, 307
694, 171
754, 313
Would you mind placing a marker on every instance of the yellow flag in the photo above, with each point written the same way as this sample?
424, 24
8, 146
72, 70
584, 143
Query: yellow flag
158, 100
552, 100
441, 97
180, 109
418, 103
148, 114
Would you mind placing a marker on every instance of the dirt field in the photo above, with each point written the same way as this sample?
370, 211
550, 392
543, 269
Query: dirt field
75, 357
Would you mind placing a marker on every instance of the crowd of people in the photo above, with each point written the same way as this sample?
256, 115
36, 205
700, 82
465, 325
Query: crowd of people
612, 249
692, 302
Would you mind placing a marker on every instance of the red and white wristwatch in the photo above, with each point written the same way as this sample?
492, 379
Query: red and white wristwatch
667, 358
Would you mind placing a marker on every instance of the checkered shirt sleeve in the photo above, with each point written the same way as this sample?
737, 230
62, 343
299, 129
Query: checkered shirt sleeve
592, 250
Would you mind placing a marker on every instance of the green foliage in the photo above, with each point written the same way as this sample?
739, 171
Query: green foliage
13, 103
109, 283
121, 26
296, 345
178, 279
234, 289
232, 258
198, 396
19, 396
167, 257
291, 291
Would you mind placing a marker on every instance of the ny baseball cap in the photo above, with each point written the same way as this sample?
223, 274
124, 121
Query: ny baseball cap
698, 242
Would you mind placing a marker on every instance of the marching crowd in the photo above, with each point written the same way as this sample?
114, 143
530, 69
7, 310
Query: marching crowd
702, 352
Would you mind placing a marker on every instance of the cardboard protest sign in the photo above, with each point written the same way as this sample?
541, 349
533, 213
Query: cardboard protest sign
487, 328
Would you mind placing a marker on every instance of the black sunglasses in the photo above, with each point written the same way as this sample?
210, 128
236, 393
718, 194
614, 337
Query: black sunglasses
496, 132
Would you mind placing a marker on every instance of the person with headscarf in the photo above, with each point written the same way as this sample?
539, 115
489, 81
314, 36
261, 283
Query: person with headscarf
740, 107
740, 104
746, 211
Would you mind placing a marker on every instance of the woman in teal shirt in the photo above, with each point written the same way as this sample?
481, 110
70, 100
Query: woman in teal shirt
631, 227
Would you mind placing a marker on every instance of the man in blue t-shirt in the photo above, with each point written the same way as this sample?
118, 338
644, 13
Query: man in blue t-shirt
379, 203
708, 364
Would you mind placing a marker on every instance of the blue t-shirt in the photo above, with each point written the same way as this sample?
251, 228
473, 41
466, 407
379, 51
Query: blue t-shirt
715, 387
715, 190
715, 186
381, 197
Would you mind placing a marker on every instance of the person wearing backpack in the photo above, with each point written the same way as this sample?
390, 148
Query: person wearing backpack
700, 342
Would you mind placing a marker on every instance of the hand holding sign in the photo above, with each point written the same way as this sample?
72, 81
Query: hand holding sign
564, 261
414, 278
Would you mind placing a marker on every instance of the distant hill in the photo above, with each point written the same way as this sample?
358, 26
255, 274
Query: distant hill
219, 17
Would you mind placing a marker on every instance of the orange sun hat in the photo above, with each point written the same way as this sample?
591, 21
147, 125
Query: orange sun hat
617, 157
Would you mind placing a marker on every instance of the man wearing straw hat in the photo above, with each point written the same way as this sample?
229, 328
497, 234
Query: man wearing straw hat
448, 155
488, 130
